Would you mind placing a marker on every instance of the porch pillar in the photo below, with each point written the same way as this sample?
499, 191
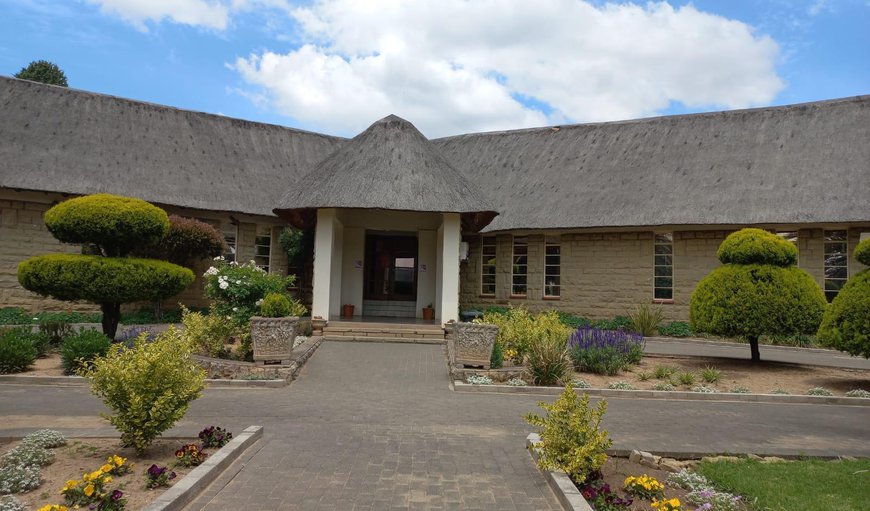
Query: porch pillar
448, 268
324, 238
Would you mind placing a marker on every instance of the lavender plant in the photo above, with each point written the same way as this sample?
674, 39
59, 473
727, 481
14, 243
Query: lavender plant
606, 352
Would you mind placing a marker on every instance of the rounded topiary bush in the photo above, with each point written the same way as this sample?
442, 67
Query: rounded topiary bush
757, 246
187, 241
275, 305
846, 325
757, 291
112, 222
17, 352
78, 350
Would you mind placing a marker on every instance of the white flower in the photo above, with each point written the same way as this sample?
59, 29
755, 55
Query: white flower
219, 258
223, 284
259, 302
235, 309
212, 271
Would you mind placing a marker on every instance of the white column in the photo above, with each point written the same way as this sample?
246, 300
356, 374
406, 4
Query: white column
448, 262
323, 245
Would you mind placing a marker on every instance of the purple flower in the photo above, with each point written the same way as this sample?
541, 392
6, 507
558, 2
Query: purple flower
172, 476
155, 471
117, 494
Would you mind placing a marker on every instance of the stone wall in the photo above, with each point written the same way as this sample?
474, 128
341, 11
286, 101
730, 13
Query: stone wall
23, 234
605, 274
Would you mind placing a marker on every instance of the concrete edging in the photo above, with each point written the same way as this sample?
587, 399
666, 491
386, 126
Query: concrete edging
78, 381
460, 386
696, 340
564, 489
184, 491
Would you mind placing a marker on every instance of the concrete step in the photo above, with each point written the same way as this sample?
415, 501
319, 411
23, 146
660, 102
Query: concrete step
409, 340
339, 324
387, 332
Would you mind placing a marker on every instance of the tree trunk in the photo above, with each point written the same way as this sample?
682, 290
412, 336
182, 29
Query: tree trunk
111, 317
753, 345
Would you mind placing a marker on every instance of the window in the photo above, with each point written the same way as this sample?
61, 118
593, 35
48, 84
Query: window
487, 266
552, 267
263, 247
663, 286
231, 235
836, 262
520, 271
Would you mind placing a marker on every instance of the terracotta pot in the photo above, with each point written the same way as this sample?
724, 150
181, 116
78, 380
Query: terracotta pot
428, 313
347, 310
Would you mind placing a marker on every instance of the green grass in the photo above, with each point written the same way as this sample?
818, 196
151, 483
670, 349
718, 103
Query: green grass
808, 485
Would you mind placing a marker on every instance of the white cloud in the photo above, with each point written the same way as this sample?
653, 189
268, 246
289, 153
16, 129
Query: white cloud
212, 14
453, 66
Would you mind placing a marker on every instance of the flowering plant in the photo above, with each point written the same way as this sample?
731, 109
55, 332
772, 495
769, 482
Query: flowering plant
116, 466
112, 501
667, 505
644, 486
158, 476
604, 351
90, 489
238, 289
189, 455
601, 497
53, 507
215, 437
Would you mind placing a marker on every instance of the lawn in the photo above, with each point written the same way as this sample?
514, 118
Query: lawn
795, 486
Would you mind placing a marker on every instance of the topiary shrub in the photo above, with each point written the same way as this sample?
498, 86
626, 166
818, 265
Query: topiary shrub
80, 349
768, 296
846, 324
208, 333
17, 352
275, 305
110, 226
187, 241
148, 387
496, 358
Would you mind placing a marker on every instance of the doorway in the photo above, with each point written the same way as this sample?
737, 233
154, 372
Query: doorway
390, 275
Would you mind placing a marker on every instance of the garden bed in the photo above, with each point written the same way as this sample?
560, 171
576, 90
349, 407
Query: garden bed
86, 455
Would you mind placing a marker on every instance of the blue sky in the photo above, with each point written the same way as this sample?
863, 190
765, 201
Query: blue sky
450, 67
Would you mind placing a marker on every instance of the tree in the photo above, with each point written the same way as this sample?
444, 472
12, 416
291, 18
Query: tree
43, 71
757, 291
187, 242
113, 226
846, 324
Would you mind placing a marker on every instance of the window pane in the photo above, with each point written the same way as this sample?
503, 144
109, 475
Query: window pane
553, 281
837, 272
519, 290
488, 289
664, 260
260, 250
551, 270
664, 282
554, 250
665, 237
835, 260
835, 235
664, 249
664, 294
519, 279
664, 271
834, 284
830, 295
835, 248
551, 259
489, 279
520, 259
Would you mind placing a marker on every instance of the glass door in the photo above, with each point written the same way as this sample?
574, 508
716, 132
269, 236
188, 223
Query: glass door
391, 268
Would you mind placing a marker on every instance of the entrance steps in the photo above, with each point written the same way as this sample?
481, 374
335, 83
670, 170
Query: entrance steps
420, 333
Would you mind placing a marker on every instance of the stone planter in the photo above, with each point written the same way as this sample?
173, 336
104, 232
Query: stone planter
473, 343
273, 337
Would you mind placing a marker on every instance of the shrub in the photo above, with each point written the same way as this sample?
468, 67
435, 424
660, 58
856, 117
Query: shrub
676, 329
644, 376
645, 319
207, 333
711, 374
476, 379
686, 378
10, 503
79, 350
710, 499
819, 391
19, 478
275, 305
56, 329
578, 383
664, 386
496, 359
703, 389
617, 323
779, 391
17, 352
571, 436
548, 360
29, 455
187, 241
797, 340
756, 292
858, 393
43, 71
46, 438
237, 289
215, 437
40, 342
14, 316
148, 387
664, 372
846, 324
516, 382
620, 385
739, 390
604, 351
573, 322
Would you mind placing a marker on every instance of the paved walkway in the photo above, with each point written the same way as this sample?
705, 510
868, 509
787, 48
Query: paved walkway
818, 357
375, 426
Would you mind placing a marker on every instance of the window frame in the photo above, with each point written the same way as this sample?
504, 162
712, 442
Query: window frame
514, 264
232, 252
257, 257
552, 241
825, 243
488, 241
655, 286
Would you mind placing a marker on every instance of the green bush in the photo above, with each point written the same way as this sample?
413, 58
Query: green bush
617, 323
187, 241
862, 252
14, 316
496, 359
846, 324
573, 322
56, 330
79, 350
275, 305
676, 329
17, 352
548, 361
114, 223
757, 246
518, 329
207, 333
646, 319
148, 387
238, 288
751, 300
571, 436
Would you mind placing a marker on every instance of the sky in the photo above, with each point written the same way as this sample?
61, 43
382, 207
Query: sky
448, 66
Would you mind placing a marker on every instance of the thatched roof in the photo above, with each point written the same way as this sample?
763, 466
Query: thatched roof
65, 140
790, 164
390, 165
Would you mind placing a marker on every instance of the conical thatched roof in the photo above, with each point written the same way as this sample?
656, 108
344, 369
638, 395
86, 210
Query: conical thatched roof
391, 166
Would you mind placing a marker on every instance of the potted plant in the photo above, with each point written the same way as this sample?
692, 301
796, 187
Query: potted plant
273, 332
347, 310
428, 312
473, 343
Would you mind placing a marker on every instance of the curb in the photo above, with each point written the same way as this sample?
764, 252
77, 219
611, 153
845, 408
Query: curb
78, 381
695, 340
184, 491
460, 386
567, 494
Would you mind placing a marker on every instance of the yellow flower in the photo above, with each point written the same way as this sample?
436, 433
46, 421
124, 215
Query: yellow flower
72, 483
52, 507
106, 468
107, 479
89, 490
117, 460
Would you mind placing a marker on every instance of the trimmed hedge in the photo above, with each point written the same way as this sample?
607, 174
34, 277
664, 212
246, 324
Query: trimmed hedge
862, 252
112, 222
750, 300
78, 350
187, 241
757, 246
17, 352
846, 325
102, 279
275, 305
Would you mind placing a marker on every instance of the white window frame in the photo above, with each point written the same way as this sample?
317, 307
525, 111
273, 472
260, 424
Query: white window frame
826, 242
232, 252
258, 258
552, 241
488, 241
519, 241
656, 287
